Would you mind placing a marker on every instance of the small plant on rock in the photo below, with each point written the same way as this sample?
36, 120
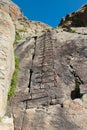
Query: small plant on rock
14, 77
73, 31
17, 38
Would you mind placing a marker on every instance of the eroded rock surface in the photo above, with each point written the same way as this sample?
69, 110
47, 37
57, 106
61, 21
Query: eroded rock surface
7, 36
76, 19
6, 124
50, 65
51, 91
12, 9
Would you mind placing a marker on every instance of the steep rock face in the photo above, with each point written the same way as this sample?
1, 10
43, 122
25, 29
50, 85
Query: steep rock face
10, 12
76, 19
26, 28
23, 26
12, 9
7, 36
51, 91
52, 65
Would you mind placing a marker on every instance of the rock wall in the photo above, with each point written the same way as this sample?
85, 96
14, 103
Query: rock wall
12, 9
76, 19
7, 36
52, 64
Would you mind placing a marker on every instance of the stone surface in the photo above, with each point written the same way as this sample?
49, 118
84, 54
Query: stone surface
51, 64
47, 118
6, 124
51, 91
7, 36
85, 98
76, 19
26, 28
77, 112
12, 9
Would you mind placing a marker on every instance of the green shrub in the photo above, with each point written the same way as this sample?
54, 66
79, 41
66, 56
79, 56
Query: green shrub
56, 30
73, 31
17, 38
22, 30
60, 26
14, 77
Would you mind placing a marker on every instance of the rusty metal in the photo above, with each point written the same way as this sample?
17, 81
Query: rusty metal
42, 62
46, 63
41, 54
48, 81
50, 56
45, 74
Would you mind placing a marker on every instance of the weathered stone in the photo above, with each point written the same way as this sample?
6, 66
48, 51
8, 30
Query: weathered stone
46, 118
84, 98
7, 36
10, 8
6, 124
76, 19
53, 64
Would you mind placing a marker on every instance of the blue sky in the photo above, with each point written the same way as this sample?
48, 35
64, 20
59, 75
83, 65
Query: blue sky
48, 11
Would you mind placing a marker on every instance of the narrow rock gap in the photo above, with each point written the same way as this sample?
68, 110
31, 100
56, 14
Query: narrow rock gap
31, 70
29, 85
78, 81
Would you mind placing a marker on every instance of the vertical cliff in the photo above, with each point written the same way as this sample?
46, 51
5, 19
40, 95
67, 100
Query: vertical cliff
7, 36
76, 19
51, 89
7, 64
51, 86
